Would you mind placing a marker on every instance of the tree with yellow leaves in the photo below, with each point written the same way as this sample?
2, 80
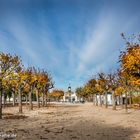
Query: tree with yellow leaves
130, 59
8, 66
57, 94
130, 63
42, 85
103, 82
100, 91
79, 92
113, 84
90, 88
30, 84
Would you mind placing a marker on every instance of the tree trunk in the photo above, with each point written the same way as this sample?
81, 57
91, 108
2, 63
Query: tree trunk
1, 104
9, 99
126, 109
20, 100
37, 98
130, 99
43, 99
121, 100
113, 101
4, 99
93, 99
96, 102
13, 94
26, 98
100, 99
106, 102
30, 100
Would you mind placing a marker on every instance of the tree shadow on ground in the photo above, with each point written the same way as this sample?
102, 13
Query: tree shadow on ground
13, 116
82, 130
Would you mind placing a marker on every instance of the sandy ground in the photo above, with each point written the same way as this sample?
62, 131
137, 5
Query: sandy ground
71, 122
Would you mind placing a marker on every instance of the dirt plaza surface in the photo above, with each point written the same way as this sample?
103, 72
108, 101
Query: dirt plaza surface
70, 122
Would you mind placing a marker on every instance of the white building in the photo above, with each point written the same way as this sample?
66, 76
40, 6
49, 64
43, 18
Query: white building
109, 99
70, 96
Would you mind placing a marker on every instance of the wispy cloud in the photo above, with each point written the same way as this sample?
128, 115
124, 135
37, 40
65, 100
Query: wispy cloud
100, 51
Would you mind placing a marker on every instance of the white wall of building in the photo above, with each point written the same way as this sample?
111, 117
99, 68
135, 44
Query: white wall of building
70, 98
109, 99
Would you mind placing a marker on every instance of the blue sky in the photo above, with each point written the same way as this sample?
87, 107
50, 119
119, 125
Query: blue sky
72, 39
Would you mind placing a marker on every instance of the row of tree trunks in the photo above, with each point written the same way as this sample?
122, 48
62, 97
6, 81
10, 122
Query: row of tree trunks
44, 102
95, 100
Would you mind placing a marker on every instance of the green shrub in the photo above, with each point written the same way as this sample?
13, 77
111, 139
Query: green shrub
136, 100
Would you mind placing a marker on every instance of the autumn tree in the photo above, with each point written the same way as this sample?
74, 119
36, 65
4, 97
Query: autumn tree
91, 87
57, 94
130, 58
100, 91
79, 92
43, 83
103, 81
21, 82
47, 84
130, 63
30, 84
113, 84
8, 66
